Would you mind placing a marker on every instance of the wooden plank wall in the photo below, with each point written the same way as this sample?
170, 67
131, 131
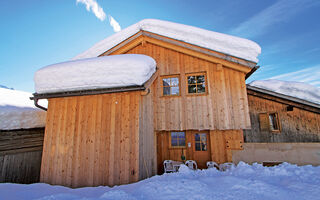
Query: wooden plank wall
296, 126
224, 107
147, 142
222, 142
92, 140
20, 155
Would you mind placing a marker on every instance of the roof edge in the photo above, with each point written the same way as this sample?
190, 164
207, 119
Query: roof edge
37, 96
283, 96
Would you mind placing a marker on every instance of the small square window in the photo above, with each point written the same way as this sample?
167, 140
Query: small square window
273, 122
196, 83
170, 86
178, 139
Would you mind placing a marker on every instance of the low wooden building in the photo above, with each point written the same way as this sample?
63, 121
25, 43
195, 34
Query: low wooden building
21, 137
283, 129
194, 106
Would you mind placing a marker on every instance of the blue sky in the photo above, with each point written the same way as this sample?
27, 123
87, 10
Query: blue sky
36, 33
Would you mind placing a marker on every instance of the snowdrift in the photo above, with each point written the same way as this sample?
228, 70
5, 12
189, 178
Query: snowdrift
244, 181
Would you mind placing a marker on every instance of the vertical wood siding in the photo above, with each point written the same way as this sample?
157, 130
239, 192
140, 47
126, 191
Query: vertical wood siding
296, 126
92, 140
20, 155
224, 107
222, 142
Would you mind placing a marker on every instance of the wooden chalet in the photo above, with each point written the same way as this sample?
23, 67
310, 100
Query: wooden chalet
283, 129
194, 106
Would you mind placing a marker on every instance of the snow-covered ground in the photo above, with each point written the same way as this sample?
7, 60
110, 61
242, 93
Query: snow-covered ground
17, 111
243, 182
295, 89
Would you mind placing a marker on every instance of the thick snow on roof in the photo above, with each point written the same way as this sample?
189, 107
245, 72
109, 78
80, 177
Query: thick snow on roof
220, 42
17, 111
245, 182
93, 73
295, 89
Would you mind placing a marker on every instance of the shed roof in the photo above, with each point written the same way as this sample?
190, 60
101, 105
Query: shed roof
118, 71
227, 44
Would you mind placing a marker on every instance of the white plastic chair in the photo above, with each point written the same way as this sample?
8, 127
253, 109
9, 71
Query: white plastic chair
211, 164
192, 164
168, 166
226, 166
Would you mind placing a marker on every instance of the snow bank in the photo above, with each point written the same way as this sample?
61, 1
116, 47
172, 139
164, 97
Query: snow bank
93, 73
244, 181
220, 42
295, 89
17, 111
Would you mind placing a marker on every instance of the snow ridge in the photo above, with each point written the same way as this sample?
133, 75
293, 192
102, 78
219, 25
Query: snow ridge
230, 45
295, 89
94, 73
17, 111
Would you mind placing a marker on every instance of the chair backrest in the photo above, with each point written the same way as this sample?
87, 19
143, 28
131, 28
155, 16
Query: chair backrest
191, 164
226, 166
168, 166
211, 164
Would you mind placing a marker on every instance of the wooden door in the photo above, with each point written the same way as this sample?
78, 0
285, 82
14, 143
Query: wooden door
201, 148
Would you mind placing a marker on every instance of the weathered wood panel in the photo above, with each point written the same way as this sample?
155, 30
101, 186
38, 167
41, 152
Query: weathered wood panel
20, 155
224, 107
296, 126
92, 140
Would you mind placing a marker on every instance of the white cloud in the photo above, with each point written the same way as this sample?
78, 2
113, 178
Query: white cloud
99, 13
94, 7
115, 25
309, 75
280, 11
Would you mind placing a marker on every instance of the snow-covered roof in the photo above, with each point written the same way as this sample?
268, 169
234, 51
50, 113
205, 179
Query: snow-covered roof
17, 111
227, 44
94, 73
299, 90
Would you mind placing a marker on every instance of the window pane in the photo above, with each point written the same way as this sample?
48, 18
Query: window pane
174, 142
166, 90
204, 147
174, 81
201, 88
174, 90
273, 122
191, 80
166, 82
178, 139
192, 89
198, 147
197, 137
200, 79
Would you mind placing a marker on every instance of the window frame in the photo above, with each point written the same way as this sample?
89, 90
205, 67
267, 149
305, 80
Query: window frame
277, 120
177, 147
170, 76
265, 123
205, 83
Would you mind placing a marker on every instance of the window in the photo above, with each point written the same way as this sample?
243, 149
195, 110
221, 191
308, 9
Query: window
269, 122
273, 122
200, 140
178, 139
170, 86
196, 83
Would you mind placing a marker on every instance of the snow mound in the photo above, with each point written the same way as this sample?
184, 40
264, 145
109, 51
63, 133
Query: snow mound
286, 182
17, 111
231, 45
93, 73
295, 89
